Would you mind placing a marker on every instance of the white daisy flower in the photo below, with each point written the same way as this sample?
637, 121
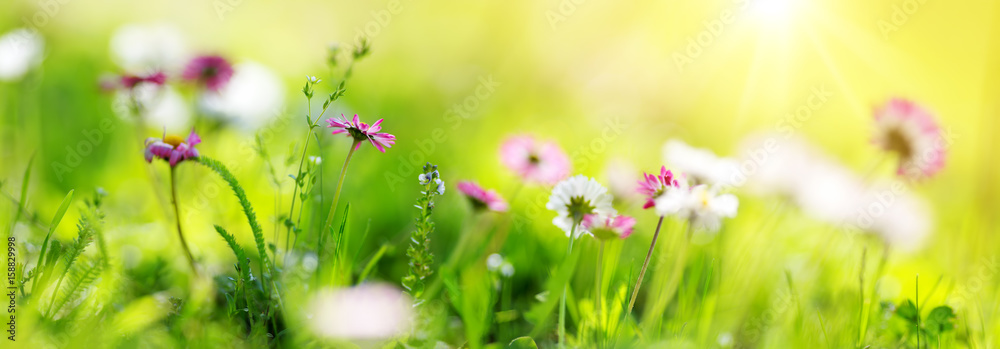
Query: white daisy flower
367, 312
701, 205
20, 50
700, 165
576, 197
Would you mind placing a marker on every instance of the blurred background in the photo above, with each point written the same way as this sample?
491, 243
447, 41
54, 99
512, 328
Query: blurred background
609, 81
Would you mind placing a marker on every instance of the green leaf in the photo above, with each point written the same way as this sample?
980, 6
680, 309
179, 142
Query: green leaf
55, 223
940, 320
523, 343
908, 311
24, 189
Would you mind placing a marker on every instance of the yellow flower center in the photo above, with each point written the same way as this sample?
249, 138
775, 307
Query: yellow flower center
173, 140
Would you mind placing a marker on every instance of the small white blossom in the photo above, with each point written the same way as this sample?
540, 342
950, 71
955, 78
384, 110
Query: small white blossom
576, 197
494, 261
507, 269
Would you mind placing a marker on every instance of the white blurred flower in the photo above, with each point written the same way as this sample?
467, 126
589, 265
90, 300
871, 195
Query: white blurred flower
20, 50
901, 220
622, 176
770, 164
141, 48
367, 312
673, 200
706, 208
494, 261
829, 192
725, 339
161, 106
576, 197
507, 269
253, 97
315, 160
700, 165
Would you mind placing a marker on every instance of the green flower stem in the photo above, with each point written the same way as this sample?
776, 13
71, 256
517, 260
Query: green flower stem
642, 272
866, 309
598, 296
562, 301
295, 191
177, 217
674, 281
336, 194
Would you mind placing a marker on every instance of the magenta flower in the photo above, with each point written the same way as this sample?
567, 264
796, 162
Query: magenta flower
608, 227
482, 198
361, 131
130, 81
910, 131
212, 71
534, 161
652, 186
172, 148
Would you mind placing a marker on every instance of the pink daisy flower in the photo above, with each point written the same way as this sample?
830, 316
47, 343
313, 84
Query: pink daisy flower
535, 161
652, 186
172, 148
212, 71
361, 131
911, 132
482, 198
608, 227
130, 81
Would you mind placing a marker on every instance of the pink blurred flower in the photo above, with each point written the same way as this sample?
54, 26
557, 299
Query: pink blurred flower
481, 198
911, 132
213, 71
172, 148
608, 227
129, 81
534, 161
361, 131
652, 186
